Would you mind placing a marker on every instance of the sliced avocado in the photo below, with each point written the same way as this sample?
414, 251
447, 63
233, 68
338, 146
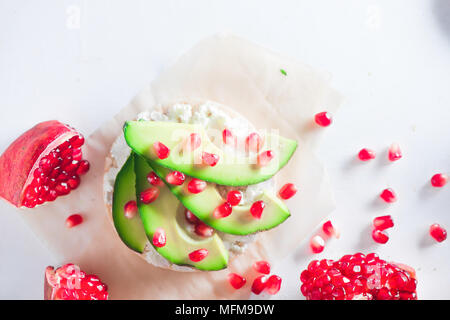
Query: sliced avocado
240, 221
131, 231
167, 212
231, 170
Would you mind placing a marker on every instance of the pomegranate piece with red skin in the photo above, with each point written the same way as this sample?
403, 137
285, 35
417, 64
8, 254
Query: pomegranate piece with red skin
330, 230
42, 164
149, 195
253, 142
273, 284
159, 238
196, 186
383, 222
379, 236
130, 209
176, 178
287, 191
323, 119
198, 255
259, 284
388, 195
236, 281
210, 159
154, 180
265, 157
234, 197
161, 151
439, 180
438, 233
317, 244
203, 230
257, 209
262, 267
394, 152
69, 282
222, 211
366, 154
358, 276
74, 220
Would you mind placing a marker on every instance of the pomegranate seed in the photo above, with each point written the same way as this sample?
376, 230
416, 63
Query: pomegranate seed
257, 209
287, 191
383, 222
62, 189
366, 154
330, 230
203, 230
149, 195
198, 255
388, 195
234, 197
438, 233
317, 244
176, 178
439, 180
130, 209
228, 137
394, 152
237, 281
159, 238
265, 157
190, 217
259, 284
154, 180
222, 211
323, 119
162, 152
210, 159
379, 237
196, 186
83, 167
262, 267
193, 142
77, 154
74, 220
77, 141
273, 284
253, 142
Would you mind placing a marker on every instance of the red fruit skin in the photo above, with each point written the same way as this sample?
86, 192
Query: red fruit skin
20, 158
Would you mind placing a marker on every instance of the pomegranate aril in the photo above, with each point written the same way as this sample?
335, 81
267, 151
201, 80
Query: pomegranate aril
83, 167
330, 230
203, 230
257, 209
262, 267
196, 186
51, 196
236, 281
161, 151
379, 237
227, 137
222, 211
74, 220
193, 142
72, 166
366, 154
259, 284
77, 154
62, 189
287, 191
383, 222
190, 217
439, 180
273, 284
323, 119
198, 255
394, 152
73, 182
130, 209
154, 180
265, 157
317, 244
388, 195
210, 159
159, 238
438, 232
253, 142
77, 141
149, 195
234, 197
176, 178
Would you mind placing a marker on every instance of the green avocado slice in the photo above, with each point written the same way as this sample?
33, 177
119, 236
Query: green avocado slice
240, 221
231, 170
167, 212
131, 231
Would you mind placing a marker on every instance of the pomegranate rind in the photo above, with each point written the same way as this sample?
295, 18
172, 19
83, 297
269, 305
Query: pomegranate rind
22, 157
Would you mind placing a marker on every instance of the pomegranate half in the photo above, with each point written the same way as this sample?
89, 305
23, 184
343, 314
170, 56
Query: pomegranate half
42, 164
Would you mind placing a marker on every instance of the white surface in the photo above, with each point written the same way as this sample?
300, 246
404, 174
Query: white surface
389, 58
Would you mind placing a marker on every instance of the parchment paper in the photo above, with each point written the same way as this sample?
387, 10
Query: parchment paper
239, 74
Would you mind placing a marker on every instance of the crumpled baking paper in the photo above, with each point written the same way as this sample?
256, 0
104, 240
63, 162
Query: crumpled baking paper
239, 74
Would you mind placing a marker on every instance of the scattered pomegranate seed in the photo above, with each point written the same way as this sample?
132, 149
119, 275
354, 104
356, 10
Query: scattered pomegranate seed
176, 178
210, 159
287, 191
265, 157
203, 230
193, 142
262, 267
439, 180
323, 119
379, 237
237, 281
162, 152
154, 180
438, 233
234, 197
253, 142
273, 284
330, 230
388, 195
394, 152
366, 154
257, 209
149, 195
228, 137
74, 220
83, 167
190, 217
383, 223
317, 244
130, 209
196, 186
198, 255
159, 238
222, 211
259, 284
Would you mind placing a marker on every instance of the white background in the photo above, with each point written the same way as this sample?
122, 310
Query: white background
82, 61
